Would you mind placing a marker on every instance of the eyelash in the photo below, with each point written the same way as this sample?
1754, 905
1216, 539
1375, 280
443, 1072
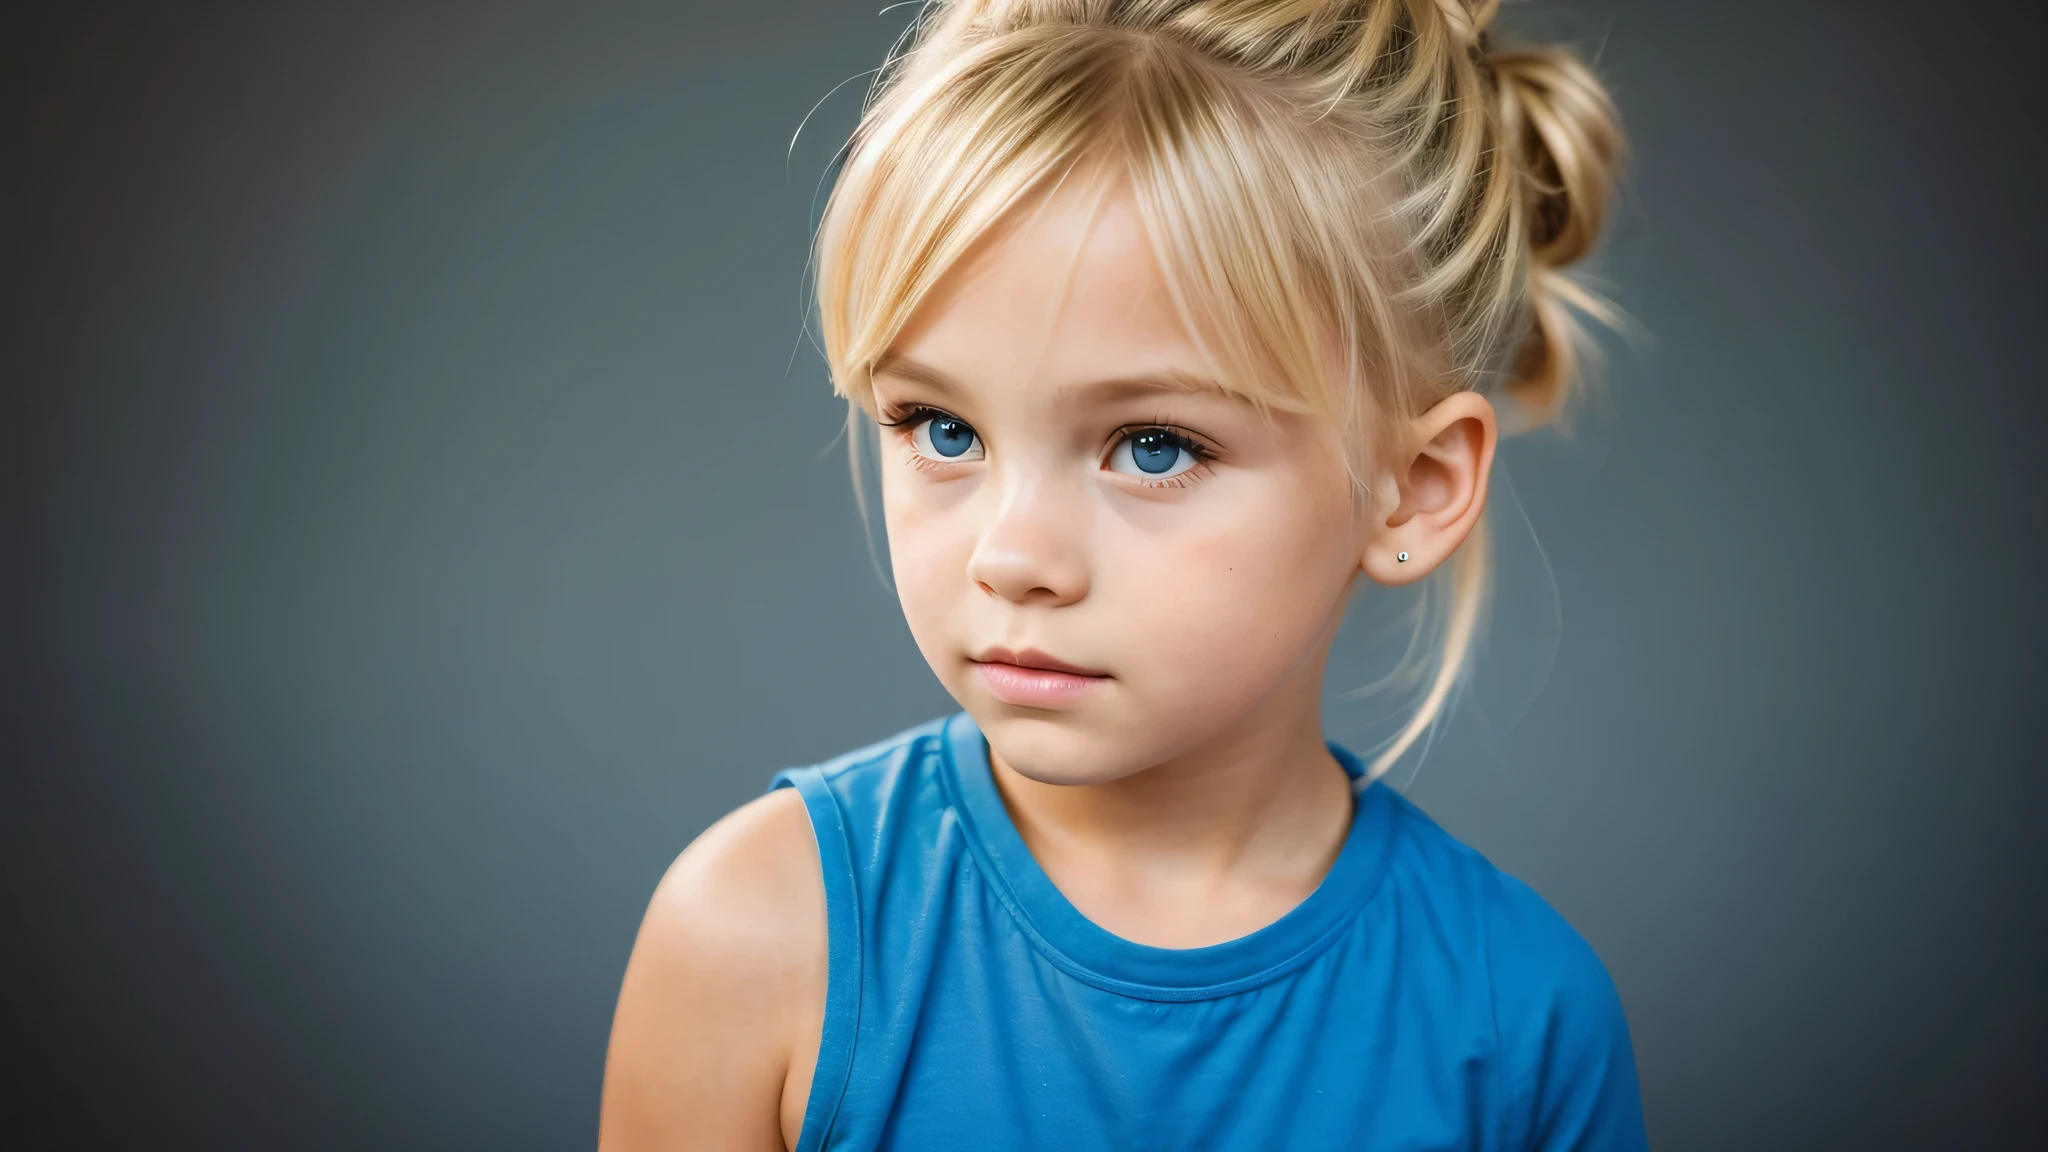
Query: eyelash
910, 417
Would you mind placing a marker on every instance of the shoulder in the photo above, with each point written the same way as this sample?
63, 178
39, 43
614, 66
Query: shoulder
747, 888
725, 981
1563, 1036
722, 1010
1526, 944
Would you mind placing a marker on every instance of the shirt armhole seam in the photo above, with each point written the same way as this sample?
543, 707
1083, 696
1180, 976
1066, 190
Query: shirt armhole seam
840, 1028
1517, 1125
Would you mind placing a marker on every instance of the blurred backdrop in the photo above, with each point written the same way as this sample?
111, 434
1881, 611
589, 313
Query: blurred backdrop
423, 516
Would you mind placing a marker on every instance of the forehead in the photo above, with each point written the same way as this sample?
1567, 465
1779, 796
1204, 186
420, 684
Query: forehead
1068, 289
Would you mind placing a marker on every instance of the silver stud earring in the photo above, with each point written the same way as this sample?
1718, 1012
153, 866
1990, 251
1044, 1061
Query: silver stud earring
1401, 556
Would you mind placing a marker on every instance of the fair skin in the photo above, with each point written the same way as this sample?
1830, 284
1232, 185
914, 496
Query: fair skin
1063, 486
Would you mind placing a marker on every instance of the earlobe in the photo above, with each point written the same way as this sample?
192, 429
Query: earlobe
1438, 490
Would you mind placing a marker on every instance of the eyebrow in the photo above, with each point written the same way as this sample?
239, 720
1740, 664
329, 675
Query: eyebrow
1172, 380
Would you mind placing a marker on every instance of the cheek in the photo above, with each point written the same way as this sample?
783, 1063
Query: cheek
1219, 615
929, 545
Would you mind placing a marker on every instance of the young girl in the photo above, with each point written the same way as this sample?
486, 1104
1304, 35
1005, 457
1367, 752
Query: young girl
1176, 318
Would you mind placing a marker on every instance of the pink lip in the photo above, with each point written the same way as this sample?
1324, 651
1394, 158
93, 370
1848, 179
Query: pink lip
1033, 679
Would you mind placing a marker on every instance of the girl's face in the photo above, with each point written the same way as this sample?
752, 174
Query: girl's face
1107, 560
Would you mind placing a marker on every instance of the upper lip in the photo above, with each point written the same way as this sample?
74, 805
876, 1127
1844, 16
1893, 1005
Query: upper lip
1033, 658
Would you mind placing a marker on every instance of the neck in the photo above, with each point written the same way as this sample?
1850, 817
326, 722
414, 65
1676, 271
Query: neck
1204, 847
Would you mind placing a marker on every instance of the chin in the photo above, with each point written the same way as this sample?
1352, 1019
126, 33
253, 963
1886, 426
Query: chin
1065, 747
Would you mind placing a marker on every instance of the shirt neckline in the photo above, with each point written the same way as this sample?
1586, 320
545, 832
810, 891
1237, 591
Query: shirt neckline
1097, 956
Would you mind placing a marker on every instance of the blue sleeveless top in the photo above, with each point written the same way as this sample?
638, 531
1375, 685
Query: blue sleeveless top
1418, 999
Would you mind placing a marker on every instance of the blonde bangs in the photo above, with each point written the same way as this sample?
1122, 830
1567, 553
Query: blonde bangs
940, 161
1254, 229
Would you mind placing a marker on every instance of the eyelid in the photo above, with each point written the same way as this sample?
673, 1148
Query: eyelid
912, 414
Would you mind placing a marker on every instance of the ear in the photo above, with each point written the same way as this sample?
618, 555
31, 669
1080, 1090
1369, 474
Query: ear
1437, 484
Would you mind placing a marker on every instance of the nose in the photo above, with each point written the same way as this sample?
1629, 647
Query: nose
1033, 549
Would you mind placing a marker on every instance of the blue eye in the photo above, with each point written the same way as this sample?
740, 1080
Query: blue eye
951, 437
1153, 454
944, 437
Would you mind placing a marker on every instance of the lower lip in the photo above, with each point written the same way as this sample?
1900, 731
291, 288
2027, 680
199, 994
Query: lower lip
1035, 687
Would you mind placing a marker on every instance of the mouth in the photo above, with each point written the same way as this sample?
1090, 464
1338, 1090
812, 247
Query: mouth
1033, 679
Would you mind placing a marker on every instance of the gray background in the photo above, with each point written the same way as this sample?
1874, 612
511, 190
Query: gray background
417, 532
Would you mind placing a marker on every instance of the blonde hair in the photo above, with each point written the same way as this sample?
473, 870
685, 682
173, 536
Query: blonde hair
1359, 206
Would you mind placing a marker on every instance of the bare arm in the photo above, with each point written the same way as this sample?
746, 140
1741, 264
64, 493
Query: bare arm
717, 1026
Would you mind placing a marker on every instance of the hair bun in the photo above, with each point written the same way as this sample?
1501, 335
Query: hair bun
1560, 125
1563, 126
